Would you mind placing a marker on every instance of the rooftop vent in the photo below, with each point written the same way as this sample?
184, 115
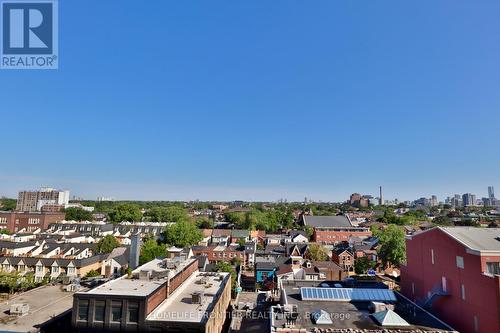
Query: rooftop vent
197, 297
145, 275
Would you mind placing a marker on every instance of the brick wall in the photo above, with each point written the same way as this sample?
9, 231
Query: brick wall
182, 276
156, 298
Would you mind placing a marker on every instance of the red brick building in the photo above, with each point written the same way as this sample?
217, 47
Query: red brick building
454, 271
16, 221
333, 229
344, 258
220, 253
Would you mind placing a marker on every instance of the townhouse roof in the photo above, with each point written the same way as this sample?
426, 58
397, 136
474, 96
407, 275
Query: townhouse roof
327, 221
16, 245
240, 233
221, 233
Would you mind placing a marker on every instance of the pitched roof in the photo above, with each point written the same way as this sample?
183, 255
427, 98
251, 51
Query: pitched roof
221, 232
321, 317
327, 221
240, 233
389, 318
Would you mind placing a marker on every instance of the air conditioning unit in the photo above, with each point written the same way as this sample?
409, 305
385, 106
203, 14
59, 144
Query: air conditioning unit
19, 309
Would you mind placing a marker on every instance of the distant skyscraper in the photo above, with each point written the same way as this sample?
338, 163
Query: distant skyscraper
381, 197
491, 192
434, 201
469, 199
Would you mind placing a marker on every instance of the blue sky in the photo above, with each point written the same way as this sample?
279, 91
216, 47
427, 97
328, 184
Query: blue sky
260, 100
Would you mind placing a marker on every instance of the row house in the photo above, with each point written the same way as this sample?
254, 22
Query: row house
85, 228
216, 253
154, 229
49, 268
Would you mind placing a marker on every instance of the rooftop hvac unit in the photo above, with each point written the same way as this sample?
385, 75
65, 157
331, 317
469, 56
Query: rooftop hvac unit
145, 275
19, 309
197, 297
203, 280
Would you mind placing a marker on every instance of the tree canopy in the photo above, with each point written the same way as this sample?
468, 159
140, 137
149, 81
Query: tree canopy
393, 246
77, 214
7, 204
125, 212
182, 234
363, 264
107, 244
167, 214
318, 252
150, 250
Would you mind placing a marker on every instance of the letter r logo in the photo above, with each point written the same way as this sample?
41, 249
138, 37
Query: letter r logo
27, 27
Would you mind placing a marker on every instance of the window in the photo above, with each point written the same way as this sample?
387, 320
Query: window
413, 288
432, 256
462, 289
39, 268
116, 311
476, 324
460, 262
55, 269
493, 268
71, 270
133, 312
83, 310
99, 308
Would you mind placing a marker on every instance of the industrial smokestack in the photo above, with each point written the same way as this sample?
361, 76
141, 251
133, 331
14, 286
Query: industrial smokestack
381, 197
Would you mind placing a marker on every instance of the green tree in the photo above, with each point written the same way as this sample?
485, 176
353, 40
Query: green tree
125, 212
77, 214
107, 244
167, 214
223, 266
8, 204
92, 273
151, 250
182, 234
318, 252
204, 222
393, 246
443, 220
363, 264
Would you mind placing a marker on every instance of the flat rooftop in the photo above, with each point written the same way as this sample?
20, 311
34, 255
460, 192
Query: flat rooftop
44, 303
137, 287
353, 314
179, 305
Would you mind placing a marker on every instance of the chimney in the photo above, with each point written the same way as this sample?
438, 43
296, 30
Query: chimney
135, 250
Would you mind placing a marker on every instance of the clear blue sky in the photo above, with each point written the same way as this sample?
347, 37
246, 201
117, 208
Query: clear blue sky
260, 100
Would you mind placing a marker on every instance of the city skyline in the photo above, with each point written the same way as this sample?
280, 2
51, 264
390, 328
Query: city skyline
259, 101
157, 194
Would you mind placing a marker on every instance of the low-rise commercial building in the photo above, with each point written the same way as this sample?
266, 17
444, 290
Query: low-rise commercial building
168, 295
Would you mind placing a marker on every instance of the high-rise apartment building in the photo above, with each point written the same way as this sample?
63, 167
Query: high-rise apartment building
33, 201
491, 192
468, 199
